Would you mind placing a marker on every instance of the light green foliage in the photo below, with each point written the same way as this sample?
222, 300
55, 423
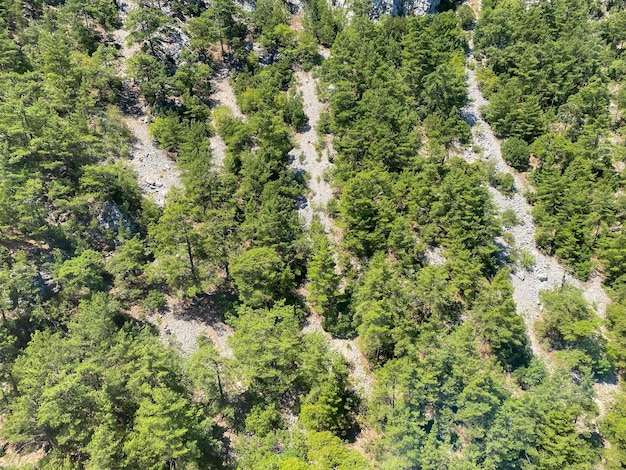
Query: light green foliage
160, 433
509, 218
540, 429
111, 183
417, 396
261, 277
144, 25
69, 387
614, 428
267, 344
167, 130
330, 404
527, 259
367, 211
178, 249
327, 451
127, 265
388, 309
211, 375
18, 291
82, 275
570, 325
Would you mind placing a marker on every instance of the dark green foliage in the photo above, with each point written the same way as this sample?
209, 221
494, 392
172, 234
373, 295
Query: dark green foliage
323, 21
261, 277
267, 345
466, 16
386, 77
515, 151
323, 280
71, 389
499, 324
415, 275
547, 86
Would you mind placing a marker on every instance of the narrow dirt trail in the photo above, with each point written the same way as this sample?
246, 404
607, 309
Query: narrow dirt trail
548, 273
156, 172
223, 95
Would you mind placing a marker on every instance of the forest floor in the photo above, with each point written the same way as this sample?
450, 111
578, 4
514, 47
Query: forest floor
183, 322
156, 172
548, 273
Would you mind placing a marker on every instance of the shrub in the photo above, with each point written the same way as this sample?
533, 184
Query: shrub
515, 151
466, 16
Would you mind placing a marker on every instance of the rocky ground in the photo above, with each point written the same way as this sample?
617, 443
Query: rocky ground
547, 272
360, 374
305, 157
223, 95
182, 324
156, 172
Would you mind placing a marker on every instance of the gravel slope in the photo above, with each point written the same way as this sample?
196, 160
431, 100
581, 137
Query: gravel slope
156, 172
182, 325
548, 272
305, 157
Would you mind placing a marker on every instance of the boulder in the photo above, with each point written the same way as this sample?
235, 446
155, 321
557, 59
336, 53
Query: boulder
403, 7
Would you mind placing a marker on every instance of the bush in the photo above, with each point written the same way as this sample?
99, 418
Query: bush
154, 301
505, 183
261, 276
515, 151
466, 16
509, 218
167, 130
527, 260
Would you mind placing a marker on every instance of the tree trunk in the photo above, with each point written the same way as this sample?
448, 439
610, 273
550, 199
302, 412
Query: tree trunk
190, 255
